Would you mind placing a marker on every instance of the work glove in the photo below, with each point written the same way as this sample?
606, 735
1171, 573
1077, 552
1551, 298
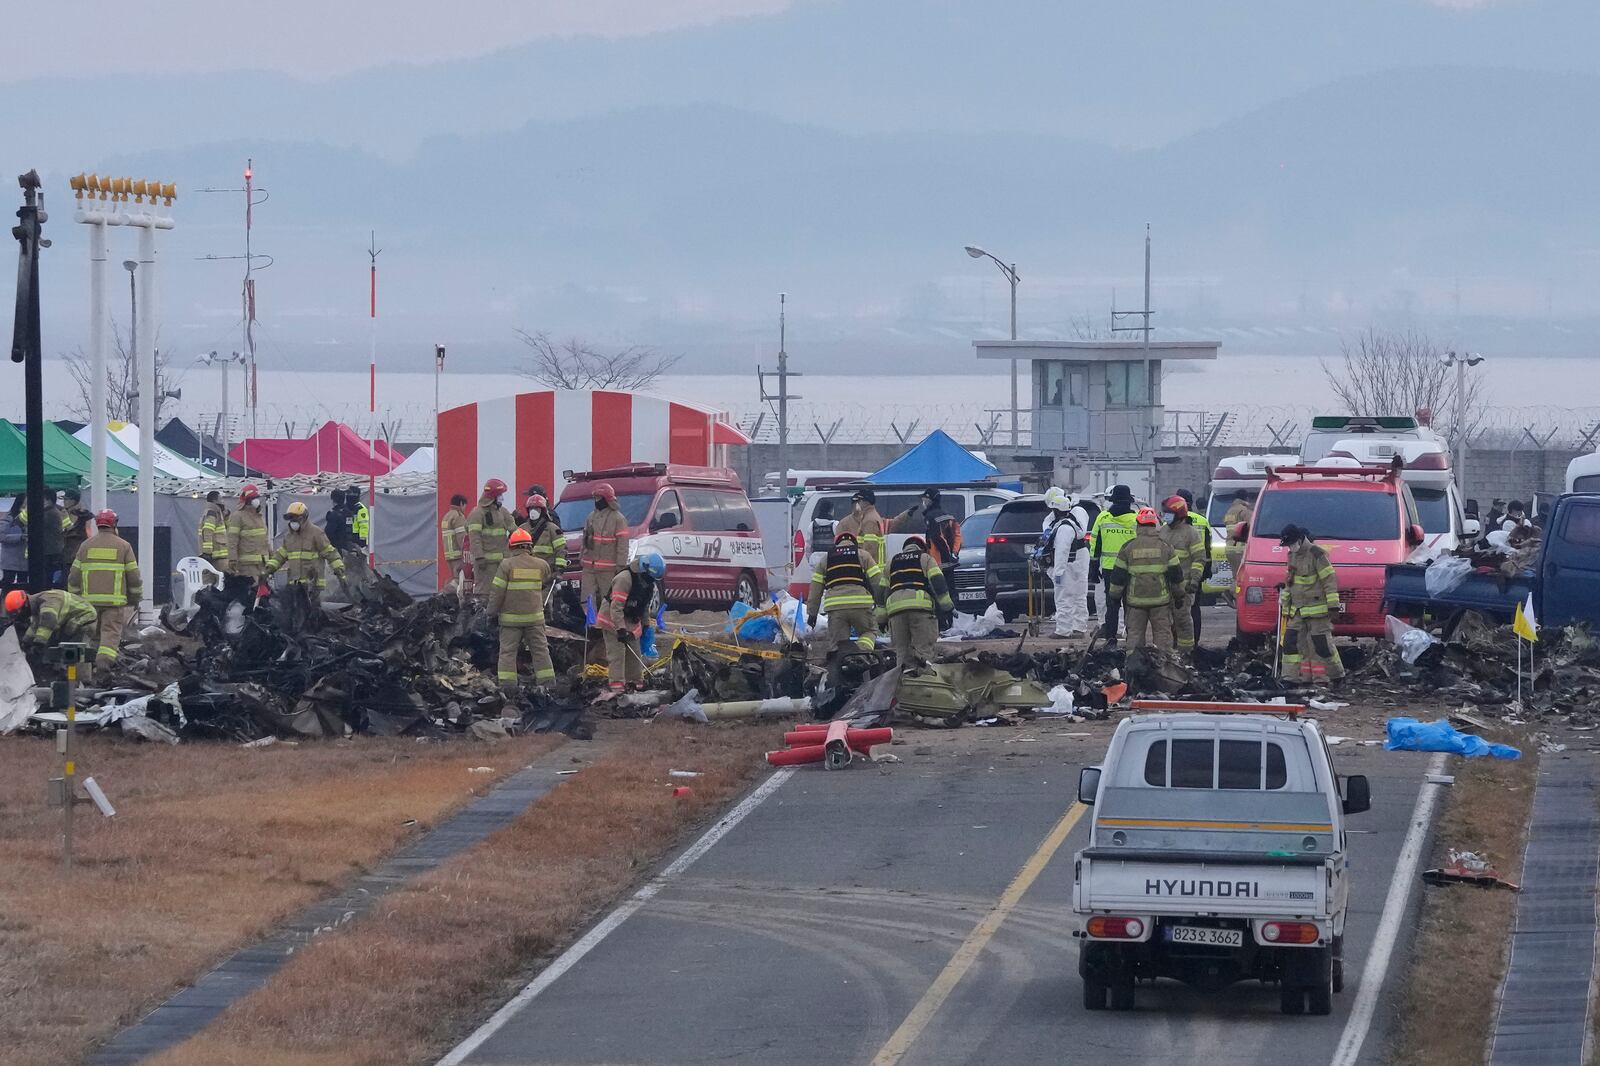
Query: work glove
1191, 588
811, 619
947, 618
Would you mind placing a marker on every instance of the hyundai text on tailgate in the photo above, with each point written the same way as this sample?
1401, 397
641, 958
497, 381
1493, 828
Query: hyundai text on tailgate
1216, 855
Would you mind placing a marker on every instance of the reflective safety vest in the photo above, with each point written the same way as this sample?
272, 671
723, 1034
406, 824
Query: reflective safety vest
847, 579
1190, 544
60, 614
453, 529
516, 596
361, 524
1312, 583
915, 582
549, 543
214, 534
605, 540
1145, 570
1110, 533
868, 530
488, 526
105, 572
248, 544
304, 550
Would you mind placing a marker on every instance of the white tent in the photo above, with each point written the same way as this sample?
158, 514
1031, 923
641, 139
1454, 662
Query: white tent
122, 444
418, 462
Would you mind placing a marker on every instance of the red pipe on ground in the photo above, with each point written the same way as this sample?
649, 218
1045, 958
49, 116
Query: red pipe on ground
860, 739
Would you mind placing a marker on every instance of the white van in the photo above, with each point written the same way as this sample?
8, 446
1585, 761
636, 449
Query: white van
1583, 473
1433, 486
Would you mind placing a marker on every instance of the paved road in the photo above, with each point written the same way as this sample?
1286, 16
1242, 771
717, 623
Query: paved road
812, 930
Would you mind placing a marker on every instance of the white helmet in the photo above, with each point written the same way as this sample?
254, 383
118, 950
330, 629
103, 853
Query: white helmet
1058, 499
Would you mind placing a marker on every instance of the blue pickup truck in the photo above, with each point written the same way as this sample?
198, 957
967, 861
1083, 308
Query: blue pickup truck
1565, 583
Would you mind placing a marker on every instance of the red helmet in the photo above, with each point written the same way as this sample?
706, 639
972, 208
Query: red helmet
494, 487
605, 492
106, 519
1176, 505
248, 493
15, 599
1147, 517
535, 502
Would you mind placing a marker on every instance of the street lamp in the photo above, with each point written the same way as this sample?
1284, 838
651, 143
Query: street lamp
1010, 271
223, 425
132, 267
1461, 362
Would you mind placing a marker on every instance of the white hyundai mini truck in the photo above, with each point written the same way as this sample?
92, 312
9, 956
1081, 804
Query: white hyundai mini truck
1216, 854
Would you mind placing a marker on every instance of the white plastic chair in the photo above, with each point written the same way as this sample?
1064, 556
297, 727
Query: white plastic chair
193, 572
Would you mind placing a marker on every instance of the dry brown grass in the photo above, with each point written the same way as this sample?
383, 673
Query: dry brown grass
211, 846
1460, 952
406, 980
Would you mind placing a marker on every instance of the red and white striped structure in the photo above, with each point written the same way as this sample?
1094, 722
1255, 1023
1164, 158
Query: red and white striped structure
531, 438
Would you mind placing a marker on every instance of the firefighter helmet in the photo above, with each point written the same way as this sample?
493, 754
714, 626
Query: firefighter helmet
16, 599
519, 536
536, 502
248, 493
1057, 498
650, 562
1147, 517
605, 492
1176, 505
106, 519
494, 487
297, 509
846, 535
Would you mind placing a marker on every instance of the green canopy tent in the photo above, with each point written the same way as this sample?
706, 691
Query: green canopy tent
66, 461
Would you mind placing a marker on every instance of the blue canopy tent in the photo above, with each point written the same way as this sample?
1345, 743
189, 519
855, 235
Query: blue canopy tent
936, 460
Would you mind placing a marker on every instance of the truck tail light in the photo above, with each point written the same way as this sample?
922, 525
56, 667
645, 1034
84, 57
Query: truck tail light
799, 548
1290, 933
1103, 927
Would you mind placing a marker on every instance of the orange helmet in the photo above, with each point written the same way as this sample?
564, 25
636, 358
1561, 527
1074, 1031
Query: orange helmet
16, 599
520, 536
535, 502
248, 493
1147, 517
1176, 505
605, 492
494, 487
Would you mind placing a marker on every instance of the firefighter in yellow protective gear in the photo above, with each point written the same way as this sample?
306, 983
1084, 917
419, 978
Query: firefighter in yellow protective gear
488, 526
865, 524
1312, 586
625, 616
453, 534
848, 586
214, 532
1145, 573
549, 542
917, 600
516, 599
106, 574
302, 554
1236, 523
53, 616
248, 543
1189, 540
1112, 528
605, 547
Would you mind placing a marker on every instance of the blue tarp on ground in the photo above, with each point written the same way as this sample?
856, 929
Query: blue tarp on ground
936, 460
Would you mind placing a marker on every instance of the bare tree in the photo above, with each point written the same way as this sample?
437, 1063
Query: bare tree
1401, 373
1088, 328
577, 364
122, 381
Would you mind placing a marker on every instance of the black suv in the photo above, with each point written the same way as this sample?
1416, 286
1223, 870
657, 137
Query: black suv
1010, 544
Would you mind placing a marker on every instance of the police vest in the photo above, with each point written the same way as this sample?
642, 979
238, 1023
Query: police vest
1115, 530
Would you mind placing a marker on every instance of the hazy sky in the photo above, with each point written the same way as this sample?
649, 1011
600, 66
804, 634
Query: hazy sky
319, 38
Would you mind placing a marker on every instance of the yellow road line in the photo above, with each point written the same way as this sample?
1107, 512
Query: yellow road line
967, 954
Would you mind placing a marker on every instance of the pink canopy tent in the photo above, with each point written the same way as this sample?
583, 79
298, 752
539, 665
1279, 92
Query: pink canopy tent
333, 449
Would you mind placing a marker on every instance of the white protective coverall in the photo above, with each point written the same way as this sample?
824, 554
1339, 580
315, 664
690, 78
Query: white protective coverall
1069, 570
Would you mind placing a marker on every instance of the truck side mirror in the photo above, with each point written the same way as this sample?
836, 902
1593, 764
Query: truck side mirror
1357, 794
1089, 784
1414, 535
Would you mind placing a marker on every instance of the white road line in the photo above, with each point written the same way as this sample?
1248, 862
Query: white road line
608, 925
1394, 909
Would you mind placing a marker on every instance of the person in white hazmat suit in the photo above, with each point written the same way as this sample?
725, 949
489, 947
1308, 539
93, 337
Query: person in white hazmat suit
1068, 559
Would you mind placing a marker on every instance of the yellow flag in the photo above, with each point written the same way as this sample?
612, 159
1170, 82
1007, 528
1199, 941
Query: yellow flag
1523, 624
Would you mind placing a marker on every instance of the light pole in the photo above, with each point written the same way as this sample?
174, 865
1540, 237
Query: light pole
1013, 277
132, 267
224, 432
1461, 362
